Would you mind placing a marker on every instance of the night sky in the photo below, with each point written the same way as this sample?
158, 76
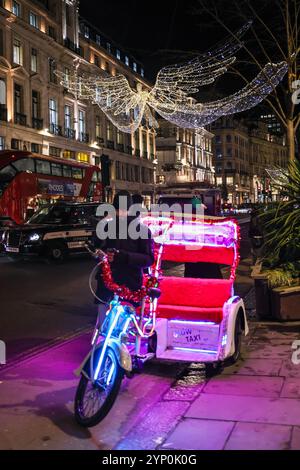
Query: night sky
162, 32
148, 29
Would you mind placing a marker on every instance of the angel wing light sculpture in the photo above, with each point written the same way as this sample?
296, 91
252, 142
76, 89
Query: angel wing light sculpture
170, 96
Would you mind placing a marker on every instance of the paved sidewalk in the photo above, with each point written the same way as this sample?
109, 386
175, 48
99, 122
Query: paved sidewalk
254, 404
36, 401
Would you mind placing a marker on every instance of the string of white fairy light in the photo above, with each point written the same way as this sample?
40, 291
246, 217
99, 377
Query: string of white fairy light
194, 115
278, 176
169, 97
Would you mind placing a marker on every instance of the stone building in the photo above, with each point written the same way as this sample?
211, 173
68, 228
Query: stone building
37, 38
184, 158
243, 150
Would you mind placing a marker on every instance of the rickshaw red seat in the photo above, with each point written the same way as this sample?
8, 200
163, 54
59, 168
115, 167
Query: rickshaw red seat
192, 298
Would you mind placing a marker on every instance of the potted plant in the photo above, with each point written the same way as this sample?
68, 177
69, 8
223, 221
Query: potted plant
277, 271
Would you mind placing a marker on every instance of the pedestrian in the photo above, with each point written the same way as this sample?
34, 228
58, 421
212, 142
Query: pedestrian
127, 256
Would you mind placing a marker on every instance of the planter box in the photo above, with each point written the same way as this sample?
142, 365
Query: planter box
285, 303
280, 304
262, 294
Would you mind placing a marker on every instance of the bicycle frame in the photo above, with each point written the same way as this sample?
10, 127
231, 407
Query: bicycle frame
122, 320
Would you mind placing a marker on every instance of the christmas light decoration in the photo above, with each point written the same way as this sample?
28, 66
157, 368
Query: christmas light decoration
126, 108
278, 176
193, 116
123, 291
80, 85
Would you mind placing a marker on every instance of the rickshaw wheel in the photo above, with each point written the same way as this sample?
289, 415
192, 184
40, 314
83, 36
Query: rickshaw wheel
213, 368
93, 401
238, 331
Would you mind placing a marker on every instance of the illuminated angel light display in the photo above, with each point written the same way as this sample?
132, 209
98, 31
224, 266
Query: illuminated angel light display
170, 96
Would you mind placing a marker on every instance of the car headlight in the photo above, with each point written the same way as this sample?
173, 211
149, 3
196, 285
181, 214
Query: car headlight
34, 237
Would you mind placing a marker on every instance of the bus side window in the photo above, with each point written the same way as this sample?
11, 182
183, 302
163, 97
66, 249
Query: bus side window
96, 177
24, 164
67, 171
7, 173
43, 167
56, 169
77, 173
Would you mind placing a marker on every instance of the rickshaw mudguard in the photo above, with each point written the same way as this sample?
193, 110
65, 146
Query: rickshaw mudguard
231, 309
122, 354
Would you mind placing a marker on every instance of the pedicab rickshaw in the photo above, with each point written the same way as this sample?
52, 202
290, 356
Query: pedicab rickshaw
170, 318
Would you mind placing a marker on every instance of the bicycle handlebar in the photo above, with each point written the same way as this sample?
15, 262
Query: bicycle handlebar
95, 254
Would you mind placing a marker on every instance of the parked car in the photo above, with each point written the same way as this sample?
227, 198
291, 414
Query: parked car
227, 209
245, 208
5, 223
54, 231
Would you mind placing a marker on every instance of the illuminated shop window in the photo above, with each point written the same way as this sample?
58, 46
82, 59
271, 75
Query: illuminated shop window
69, 154
82, 157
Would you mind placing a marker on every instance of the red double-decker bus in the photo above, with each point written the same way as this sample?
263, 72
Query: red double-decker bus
28, 181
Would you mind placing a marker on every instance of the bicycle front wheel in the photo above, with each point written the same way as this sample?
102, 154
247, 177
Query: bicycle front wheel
93, 401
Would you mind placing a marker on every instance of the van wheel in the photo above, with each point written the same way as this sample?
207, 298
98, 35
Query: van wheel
56, 252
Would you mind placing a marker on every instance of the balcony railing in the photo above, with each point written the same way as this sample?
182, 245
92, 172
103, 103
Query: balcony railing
21, 119
69, 133
129, 149
72, 46
100, 141
172, 166
120, 147
110, 144
55, 129
37, 123
3, 114
83, 137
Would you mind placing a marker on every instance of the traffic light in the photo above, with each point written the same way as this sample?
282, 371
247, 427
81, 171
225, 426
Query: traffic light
105, 170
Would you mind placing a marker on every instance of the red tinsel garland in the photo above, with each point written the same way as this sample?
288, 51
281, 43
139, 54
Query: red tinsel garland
123, 291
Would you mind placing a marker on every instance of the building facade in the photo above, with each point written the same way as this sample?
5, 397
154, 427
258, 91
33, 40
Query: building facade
184, 158
243, 151
37, 114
